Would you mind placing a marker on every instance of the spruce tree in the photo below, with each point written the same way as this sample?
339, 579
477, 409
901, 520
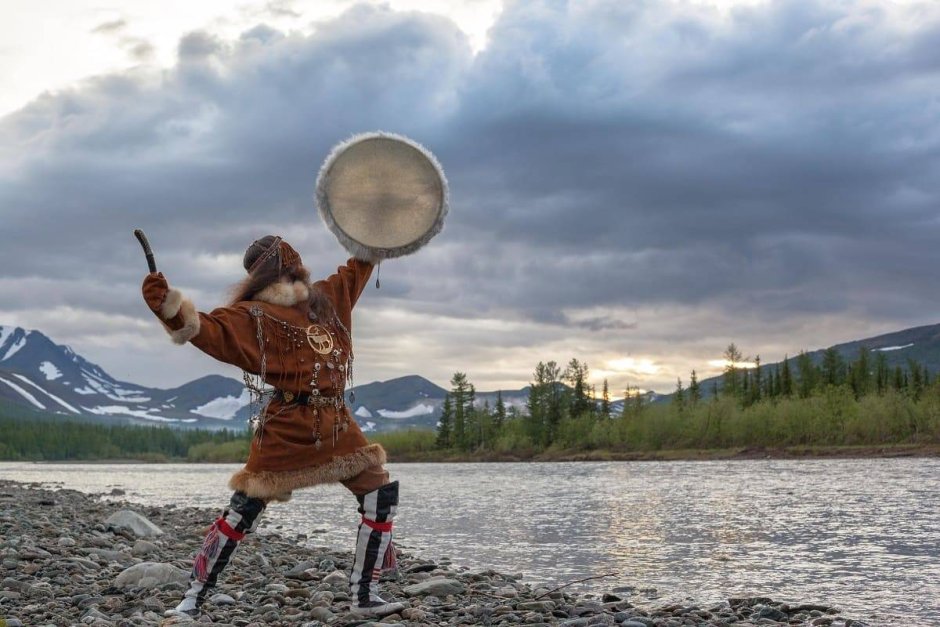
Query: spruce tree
806, 374
461, 392
445, 426
605, 402
678, 398
757, 387
786, 379
832, 367
499, 416
731, 384
898, 379
917, 380
745, 388
695, 391
882, 373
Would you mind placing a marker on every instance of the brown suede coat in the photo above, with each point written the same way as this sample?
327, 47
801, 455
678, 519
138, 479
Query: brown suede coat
283, 454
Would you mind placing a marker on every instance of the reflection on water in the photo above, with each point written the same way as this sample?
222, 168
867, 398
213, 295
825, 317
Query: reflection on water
860, 534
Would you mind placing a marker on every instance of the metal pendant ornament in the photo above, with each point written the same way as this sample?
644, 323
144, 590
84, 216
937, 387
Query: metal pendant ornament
382, 195
319, 339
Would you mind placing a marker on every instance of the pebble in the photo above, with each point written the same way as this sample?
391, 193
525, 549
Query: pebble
436, 586
129, 520
95, 576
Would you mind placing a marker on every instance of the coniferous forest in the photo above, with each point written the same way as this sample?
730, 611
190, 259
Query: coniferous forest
796, 403
66, 441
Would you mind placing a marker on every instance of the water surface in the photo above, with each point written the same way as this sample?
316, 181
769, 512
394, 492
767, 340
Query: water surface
863, 535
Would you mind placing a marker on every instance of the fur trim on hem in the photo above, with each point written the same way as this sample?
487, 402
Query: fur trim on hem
191, 324
284, 294
277, 485
171, 304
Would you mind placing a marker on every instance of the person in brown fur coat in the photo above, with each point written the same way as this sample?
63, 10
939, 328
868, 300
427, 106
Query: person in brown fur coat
294, 337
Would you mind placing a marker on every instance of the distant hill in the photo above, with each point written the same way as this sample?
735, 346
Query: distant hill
921, 344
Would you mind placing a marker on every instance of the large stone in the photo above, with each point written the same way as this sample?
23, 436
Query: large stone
335, 578
436, 586
304, 571
133, 522
150, 575
322, 614
142, 548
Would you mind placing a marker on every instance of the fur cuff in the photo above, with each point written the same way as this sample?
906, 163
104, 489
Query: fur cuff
190, 318
171, 304
284, 294
272, 485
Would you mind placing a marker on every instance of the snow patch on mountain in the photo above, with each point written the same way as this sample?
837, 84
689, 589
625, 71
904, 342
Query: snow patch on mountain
29, 397
5, 333
894, 348
121, 410
369, 426
114, 393
418, 410
50, 371
13, 350
363, 412
47, 393
223, 408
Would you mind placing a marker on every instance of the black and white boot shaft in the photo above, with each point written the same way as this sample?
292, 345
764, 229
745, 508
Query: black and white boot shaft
374, 549
240, 519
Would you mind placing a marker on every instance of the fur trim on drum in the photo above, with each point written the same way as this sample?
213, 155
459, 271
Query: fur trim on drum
358, 250
277, 486
284, 294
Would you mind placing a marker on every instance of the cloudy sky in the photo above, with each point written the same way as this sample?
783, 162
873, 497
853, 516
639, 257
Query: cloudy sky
635, 184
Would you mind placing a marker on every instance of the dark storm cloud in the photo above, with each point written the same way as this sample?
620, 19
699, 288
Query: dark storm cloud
781, 158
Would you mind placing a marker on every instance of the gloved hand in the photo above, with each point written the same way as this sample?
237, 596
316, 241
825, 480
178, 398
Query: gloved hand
155, 289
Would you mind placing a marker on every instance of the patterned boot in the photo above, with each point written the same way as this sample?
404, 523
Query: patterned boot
240, 519
374, 551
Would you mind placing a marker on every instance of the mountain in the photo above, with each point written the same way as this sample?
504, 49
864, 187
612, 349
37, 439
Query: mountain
921, 344
39, 378
413, 402
52, 378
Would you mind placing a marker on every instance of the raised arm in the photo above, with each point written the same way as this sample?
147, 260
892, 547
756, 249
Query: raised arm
346, 285
227, 333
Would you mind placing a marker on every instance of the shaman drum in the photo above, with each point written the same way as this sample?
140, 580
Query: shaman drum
382, 195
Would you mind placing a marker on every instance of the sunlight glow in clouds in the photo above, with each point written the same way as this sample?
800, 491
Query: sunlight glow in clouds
632, 365
724, 363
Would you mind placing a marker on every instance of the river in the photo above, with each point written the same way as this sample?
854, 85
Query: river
861, 534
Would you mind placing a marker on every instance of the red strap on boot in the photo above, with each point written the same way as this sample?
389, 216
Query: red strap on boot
227, 530
384, 527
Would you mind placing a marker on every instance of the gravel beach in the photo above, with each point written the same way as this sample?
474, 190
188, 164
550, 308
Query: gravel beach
70, 558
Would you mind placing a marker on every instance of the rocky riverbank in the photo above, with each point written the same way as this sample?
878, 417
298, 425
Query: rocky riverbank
68, 558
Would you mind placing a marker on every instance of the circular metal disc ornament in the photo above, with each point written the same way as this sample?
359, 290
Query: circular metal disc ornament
319, 340
382, 195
